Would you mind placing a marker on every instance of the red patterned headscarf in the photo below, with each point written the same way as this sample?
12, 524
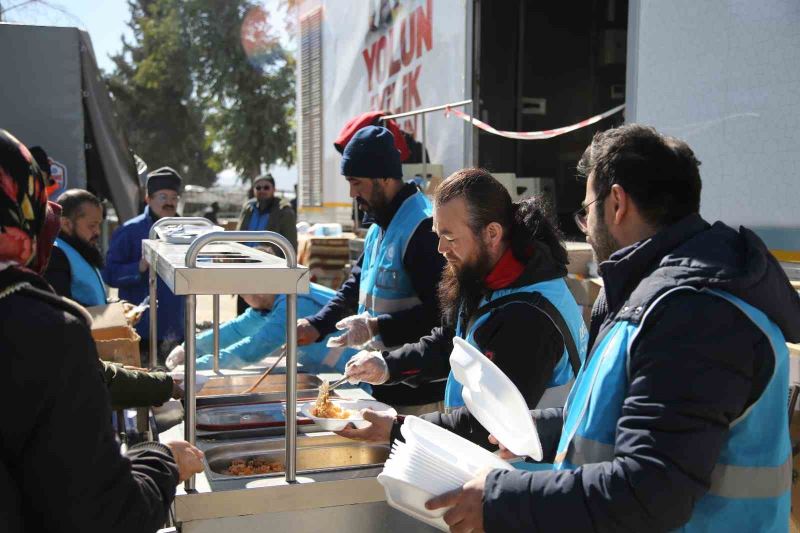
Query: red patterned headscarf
23, 204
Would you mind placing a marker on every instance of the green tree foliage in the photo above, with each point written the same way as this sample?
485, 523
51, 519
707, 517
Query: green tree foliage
205, 85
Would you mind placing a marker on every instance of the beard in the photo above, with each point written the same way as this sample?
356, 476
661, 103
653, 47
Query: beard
88, 250
603, 243
377, 206
462, 288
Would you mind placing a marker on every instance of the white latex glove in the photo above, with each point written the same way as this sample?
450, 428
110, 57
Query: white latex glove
358, 331
368, 367
176, 357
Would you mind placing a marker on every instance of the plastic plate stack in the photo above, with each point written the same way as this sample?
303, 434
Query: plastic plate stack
430, 462
433, 460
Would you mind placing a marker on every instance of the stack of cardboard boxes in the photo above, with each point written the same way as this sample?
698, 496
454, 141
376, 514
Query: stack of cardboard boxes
325, 257
583, 285
115, 339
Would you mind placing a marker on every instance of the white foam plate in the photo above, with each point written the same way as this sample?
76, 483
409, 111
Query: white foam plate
449, 447
354, 406
494, 400
410, 500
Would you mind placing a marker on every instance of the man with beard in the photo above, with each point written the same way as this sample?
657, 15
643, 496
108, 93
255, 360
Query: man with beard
678, 420
76, 260
126, 269
503, 290
394, 282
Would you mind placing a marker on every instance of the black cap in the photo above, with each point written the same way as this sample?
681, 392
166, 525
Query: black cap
163, 178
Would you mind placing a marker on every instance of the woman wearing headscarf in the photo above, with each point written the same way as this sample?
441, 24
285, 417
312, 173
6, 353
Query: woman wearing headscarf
60, 465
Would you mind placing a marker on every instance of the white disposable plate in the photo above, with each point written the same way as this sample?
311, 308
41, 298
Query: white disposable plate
354, 406
494, 401
449, 447
410, 500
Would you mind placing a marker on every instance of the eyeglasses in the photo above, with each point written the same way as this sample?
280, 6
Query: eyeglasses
582, 214
162, 197
263, 187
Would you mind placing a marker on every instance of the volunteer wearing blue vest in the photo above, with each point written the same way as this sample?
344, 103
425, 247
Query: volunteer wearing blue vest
393, 284
126, 269
76, 260
503, 290
678, 419
261, 330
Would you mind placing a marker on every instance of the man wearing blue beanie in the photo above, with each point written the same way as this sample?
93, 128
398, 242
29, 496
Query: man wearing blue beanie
394, 284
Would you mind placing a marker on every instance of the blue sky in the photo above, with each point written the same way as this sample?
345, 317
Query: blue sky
105, 21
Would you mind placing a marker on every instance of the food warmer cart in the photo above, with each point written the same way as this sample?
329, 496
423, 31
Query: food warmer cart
335, 487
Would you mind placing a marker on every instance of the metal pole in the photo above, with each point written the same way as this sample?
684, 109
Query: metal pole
424, 159
189, 428
153, 278
216, 333
291, 339
153, 281
427, 110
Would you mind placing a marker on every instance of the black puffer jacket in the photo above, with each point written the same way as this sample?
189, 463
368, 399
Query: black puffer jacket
697, 364
60, 466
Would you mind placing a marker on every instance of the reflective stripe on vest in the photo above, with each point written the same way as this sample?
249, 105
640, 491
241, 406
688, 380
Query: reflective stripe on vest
751, 483
385, 286
86, 282
560, 383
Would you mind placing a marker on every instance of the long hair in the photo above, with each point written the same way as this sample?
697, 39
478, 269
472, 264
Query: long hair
526, 224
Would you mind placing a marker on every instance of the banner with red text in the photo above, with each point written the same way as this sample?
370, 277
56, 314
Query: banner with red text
398, 56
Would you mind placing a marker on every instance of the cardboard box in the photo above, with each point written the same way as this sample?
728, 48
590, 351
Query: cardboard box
580, 255
116, 341
584, 291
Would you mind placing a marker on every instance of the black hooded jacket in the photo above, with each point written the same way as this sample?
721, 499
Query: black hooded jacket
696, 365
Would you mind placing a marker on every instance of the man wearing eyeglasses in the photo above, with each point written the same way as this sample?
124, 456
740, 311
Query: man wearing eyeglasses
677, 419
265, 212
126, 269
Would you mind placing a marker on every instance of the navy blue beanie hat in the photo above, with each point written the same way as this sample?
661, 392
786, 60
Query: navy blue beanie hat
371, 154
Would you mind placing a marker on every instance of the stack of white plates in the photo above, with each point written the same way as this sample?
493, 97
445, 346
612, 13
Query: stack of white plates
430, 462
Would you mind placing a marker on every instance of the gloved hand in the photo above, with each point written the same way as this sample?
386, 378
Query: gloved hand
359, 330
368, 367
176, 357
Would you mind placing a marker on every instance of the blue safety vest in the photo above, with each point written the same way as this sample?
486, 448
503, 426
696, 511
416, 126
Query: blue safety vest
385, 286
751, 483
86, 281
558, 294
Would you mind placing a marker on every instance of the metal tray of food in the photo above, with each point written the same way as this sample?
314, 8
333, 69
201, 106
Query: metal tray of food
244, 416
224, 390
264, 458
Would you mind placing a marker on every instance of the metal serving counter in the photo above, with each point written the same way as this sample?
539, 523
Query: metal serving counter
336, 489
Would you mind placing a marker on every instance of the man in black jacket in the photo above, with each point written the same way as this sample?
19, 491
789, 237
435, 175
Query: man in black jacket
505, 263
76, 261
399, 290
687, 369
60, 466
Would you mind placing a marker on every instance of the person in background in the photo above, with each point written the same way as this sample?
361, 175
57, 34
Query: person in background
393, 284
260, 331
75, 263
127, 270
211, 212
678, 419
60, 464
43, 161
267, 212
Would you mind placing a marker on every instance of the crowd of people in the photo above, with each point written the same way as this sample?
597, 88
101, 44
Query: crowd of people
668, 411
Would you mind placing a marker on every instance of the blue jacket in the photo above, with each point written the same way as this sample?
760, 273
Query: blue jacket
254, 334
122, 271
697, 365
